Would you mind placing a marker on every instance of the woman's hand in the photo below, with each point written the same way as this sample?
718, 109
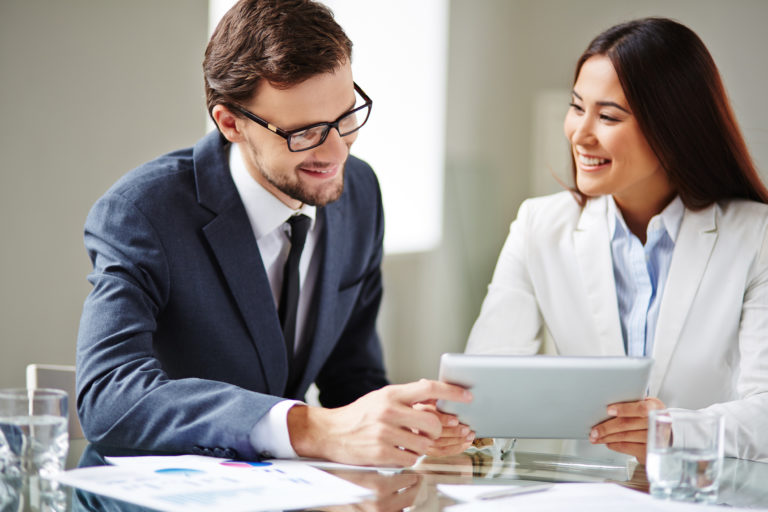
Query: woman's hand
627, 430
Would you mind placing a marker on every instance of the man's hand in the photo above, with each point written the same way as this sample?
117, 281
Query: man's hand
455, 437
627, 431
380, 428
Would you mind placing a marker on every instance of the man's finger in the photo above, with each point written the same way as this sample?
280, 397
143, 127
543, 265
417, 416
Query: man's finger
423, 422
459, 431
425, 390
454, 441
451, 449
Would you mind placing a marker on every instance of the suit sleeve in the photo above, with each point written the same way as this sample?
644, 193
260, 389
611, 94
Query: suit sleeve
124, 397
355, 367
509, 320
746, 428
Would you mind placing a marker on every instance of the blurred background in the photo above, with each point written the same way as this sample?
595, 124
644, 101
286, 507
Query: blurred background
91, 89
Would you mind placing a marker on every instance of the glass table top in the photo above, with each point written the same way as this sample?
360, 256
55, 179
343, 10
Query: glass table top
744, 483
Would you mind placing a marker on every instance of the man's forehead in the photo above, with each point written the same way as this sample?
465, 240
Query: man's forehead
320, 98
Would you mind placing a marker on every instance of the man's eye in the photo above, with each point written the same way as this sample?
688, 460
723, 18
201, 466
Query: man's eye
308, 135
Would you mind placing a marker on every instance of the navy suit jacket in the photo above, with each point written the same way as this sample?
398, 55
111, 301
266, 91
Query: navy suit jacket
180, 347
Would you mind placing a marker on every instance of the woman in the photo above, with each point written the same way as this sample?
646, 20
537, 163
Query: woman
660, 249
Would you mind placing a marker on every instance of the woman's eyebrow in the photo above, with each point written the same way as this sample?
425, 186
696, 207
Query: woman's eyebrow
604, 103
613, 104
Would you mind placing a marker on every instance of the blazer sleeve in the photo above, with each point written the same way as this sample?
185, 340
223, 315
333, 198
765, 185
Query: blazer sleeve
747, 418
510, 321
124, 397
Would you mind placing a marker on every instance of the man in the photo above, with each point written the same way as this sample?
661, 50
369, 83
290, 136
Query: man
232, 275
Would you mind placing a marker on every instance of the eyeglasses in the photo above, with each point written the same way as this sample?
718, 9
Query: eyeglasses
309, 137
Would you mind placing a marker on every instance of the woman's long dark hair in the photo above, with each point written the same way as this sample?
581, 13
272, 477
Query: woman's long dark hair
675, 92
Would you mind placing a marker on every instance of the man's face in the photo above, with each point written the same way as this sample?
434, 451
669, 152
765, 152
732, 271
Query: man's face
315, 176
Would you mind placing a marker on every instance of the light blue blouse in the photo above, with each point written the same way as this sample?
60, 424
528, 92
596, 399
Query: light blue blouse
640, 272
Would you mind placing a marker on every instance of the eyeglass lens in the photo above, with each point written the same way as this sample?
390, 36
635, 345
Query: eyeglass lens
316, 135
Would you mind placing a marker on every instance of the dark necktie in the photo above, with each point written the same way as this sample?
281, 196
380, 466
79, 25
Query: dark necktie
289, 297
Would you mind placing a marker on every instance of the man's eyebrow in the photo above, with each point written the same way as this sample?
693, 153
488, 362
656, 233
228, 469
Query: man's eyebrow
354, 100
605, 103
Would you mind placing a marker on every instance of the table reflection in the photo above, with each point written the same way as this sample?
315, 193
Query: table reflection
415, 489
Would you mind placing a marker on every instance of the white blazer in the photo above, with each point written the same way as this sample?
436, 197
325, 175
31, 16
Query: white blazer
555, 272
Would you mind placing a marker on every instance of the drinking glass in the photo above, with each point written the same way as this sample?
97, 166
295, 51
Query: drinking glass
33, 432
685, 454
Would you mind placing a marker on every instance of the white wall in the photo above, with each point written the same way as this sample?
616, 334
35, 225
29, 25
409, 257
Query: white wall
89, 89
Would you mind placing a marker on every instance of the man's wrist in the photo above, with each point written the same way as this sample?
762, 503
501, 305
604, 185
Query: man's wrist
306, 431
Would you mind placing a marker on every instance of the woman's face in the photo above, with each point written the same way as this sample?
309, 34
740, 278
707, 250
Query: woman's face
611, 153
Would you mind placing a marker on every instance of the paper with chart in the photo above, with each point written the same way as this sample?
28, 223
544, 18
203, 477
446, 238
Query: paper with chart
191, 483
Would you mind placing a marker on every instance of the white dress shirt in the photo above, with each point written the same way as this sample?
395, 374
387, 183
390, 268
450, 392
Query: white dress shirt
268, 216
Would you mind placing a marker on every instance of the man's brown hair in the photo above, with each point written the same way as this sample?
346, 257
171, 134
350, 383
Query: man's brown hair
281, 41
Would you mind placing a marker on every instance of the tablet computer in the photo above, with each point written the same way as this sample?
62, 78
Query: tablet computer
547, 397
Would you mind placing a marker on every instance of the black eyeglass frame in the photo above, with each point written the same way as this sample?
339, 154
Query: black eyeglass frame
286, 134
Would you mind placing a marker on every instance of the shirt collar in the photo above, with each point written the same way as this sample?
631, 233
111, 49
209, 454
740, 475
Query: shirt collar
670, 219
265, 211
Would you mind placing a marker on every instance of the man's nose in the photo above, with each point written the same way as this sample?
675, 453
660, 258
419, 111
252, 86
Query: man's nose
333, 149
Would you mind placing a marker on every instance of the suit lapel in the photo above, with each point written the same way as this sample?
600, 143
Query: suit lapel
693, 248
326, 292
231, 239
593, 252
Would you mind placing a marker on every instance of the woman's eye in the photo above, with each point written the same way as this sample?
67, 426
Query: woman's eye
576, 107
608, 118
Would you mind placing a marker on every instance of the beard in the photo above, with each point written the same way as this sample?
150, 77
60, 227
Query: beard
295, 189
290, 183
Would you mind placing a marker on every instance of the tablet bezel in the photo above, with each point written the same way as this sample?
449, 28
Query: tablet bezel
563, 397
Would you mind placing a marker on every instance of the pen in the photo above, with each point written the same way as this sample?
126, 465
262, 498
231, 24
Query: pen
513, 490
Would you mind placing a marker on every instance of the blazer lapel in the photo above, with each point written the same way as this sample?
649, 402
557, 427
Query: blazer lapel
693, 248
231, 239
326, 292
592, 245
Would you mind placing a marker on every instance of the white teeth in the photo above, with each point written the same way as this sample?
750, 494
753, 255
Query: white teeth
591, 161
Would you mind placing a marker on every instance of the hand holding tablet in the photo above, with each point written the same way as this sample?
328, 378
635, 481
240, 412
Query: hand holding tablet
547, 397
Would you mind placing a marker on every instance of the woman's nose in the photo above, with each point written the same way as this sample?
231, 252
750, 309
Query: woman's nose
583, 133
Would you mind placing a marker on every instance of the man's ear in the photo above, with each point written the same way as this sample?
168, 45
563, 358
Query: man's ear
229, 124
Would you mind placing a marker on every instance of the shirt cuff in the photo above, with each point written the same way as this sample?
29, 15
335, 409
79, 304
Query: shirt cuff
269, 436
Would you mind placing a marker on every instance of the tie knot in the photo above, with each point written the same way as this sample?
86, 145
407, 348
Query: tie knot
299, 228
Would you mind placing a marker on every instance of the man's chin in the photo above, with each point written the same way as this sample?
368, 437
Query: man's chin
321, 194
318, 196
324, 198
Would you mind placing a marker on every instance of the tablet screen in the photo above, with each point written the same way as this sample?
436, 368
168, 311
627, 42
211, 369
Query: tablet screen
548, 397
